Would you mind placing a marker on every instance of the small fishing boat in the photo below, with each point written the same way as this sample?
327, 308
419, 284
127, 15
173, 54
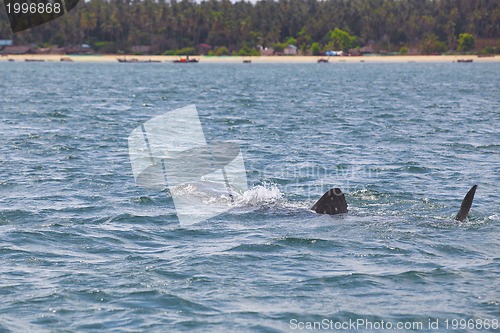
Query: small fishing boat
323, 60
135, 60
185, 60
465, 60
34, 60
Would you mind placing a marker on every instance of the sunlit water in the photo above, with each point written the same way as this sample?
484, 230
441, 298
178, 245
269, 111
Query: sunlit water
84, 249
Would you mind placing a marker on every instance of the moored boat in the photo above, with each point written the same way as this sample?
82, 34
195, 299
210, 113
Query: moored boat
135, 60
185, 60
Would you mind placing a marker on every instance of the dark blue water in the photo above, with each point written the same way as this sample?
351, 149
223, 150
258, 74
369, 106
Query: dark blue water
82, 248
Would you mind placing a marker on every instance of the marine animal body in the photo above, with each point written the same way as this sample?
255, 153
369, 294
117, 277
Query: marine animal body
333, 202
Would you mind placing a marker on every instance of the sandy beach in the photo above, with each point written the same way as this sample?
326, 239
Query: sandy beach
266, 59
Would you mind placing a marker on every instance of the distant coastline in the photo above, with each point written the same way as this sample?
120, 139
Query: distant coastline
256, 59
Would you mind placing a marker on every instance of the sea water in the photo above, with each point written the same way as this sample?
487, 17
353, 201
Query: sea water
83, 249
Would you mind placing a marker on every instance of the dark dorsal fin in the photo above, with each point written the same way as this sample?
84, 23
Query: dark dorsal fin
332, 202
466, 204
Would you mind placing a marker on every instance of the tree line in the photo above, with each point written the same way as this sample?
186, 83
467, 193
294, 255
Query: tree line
112, 26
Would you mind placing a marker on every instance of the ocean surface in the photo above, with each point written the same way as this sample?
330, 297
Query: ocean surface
84, 249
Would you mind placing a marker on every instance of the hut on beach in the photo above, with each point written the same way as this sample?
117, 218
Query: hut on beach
18, 49
290, 50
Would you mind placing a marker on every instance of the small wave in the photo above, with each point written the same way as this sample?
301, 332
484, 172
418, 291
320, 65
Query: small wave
294, 241
144, 200
366, 194
219, 193
345, 280
210, 193
494, 217
415, 169
57, 114
134, 218
6, 183
260, 195
265, 248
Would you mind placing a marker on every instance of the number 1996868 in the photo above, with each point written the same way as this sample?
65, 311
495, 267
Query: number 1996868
33, 8
477, 324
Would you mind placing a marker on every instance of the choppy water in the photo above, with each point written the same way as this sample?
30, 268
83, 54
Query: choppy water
84, 249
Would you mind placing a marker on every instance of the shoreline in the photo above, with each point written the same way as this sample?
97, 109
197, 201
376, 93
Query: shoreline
264, 59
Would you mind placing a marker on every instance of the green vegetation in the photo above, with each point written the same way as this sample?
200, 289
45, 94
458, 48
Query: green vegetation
340, 40
279, 47
488, 50
181, 52
222, 51
247, 51
315, 49
466, 42
432, 45
112, 26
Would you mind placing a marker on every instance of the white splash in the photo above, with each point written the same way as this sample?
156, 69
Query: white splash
218, 195
260, 195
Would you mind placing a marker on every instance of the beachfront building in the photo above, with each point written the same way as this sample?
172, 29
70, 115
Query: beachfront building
204, 48
290, 50
17, 49
5, 42
266, 51
79, 49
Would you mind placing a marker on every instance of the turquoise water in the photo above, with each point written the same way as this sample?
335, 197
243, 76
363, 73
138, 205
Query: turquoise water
84, 249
